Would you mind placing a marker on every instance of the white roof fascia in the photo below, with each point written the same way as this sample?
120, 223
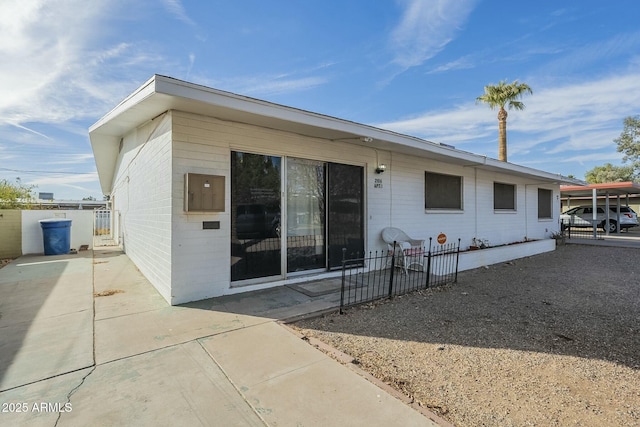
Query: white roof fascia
161, 93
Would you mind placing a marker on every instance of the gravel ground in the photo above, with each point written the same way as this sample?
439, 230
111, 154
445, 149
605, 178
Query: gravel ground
549, 340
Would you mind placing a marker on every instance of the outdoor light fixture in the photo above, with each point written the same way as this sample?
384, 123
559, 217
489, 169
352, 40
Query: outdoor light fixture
366, 139
381, 166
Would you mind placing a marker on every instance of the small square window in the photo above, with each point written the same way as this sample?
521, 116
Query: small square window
544, 203
504, 196
442, 191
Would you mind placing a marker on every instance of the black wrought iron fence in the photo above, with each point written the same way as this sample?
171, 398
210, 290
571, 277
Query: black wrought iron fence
572, 232
383, 274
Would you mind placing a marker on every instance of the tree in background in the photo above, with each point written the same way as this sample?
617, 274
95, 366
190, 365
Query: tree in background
501, 95
15, 195
629, 142
609, 173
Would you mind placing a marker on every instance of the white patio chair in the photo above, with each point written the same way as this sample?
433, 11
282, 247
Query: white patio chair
408, 251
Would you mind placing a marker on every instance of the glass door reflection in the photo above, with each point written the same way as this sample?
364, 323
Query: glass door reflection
305, 215
255, 216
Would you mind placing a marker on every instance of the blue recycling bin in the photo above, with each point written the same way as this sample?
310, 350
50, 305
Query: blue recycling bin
56, 235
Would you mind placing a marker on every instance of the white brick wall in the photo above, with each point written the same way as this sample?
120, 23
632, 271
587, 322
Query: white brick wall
203, 145
188, 263
81, 232
478, 217
142, 197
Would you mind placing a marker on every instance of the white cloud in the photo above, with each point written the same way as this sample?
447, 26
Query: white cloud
426, 27
594, 157
73, 159
176, 8
581, 116
52, 71
273, 86
72, 181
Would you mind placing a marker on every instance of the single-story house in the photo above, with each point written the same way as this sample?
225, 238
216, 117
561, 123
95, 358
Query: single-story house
215, 193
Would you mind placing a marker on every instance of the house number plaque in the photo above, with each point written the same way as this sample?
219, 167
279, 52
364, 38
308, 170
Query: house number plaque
377, 183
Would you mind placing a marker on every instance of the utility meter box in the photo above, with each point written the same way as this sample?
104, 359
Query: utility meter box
203, 193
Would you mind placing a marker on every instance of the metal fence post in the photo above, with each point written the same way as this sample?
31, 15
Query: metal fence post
393, 268
429, 264
344, 268
455, 280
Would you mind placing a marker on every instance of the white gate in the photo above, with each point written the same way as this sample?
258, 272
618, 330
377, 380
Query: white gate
102, 228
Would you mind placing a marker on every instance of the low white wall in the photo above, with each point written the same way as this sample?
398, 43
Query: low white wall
481, 257
81, 228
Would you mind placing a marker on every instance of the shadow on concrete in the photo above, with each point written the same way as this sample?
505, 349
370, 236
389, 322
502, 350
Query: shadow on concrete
280, 303
36, 315
577, 301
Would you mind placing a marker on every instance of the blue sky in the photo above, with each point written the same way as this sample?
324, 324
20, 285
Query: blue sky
412, 66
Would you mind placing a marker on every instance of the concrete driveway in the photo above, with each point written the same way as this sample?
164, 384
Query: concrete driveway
125, 357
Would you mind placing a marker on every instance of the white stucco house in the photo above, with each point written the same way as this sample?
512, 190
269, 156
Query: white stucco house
215, 193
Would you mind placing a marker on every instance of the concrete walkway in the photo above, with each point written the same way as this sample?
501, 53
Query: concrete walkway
125, 357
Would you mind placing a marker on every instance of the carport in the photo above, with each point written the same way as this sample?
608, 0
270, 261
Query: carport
605, 191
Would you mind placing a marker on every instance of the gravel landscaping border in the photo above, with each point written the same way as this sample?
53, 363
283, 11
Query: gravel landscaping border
549, 340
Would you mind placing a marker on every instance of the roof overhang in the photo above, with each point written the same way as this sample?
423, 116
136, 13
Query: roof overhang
610, 188
160, 94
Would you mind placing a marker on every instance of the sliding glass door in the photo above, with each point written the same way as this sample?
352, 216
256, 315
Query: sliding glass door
324, 214
306, 217
345, 212
255, 216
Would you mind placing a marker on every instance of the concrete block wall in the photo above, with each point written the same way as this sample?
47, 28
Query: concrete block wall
186, 262
10, 233
478, 218
142, 200
81, 228
408, 193
202, 145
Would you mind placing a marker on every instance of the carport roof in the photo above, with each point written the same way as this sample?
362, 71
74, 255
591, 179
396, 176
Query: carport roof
611, 188
160, 94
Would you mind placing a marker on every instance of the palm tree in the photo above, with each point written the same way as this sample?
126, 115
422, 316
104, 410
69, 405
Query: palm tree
501, 95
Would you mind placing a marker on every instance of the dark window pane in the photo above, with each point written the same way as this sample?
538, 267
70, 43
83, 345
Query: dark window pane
544, 203
442, 191
255, 216
504, 196
345, 211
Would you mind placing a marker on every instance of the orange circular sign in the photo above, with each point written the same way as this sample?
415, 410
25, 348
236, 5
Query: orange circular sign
442, 238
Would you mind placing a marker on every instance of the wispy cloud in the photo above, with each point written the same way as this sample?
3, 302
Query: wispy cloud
69, 181
278, 85
52, 71
582, 57
425, 28
176, 8
557, 120
72, 159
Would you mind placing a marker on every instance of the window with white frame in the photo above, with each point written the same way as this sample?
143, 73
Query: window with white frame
504, 196
545, 204
442, 191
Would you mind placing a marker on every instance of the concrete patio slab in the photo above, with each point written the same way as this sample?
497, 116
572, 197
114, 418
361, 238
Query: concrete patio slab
45, 348
46, 317
32, 397
178, 385
132, 334
115, 273
275, 303
292, 383
224, 361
